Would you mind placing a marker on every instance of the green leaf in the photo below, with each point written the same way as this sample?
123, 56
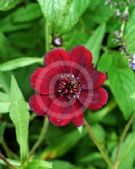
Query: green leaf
59, 164
112, 140
91, 157
129, 34
8, 4
63, 15
7, 24
4, 42
28, 13
105, 62
19, 62
5, 78
62, 145
72, 14
52, 9
122, 82
4, 107
127, 153
98, 12
95, 41
4, 103
4, 97
38, 164
74, 38
99, 133
20, 117
101, 114
7, 51
26, 40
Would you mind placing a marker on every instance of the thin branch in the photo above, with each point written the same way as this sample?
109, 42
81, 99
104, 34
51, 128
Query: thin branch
41, 136
46, 36
8, 150
3, 158
100, 148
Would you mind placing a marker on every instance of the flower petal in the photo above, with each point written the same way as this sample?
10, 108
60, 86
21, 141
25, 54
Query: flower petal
61, 112
85, 79
90, 78
85, 97
81, 55
55, 55
99, 99
44, 80
98, 78
93, 99
78, 121
39, 104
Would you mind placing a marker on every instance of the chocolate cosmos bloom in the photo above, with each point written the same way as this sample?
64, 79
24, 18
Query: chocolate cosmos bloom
66, 86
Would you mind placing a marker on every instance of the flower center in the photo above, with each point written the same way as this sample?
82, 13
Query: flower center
69, 86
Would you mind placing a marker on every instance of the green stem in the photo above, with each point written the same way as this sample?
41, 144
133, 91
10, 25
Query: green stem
6, 149
100, 148
32, 117
9, 152
41, 136
46, 36
3, 158
122, 28
122, 138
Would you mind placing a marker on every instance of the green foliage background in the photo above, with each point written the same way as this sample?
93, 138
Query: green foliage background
27, 27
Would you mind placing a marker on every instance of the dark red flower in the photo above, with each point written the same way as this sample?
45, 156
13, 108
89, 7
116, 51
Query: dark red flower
67, 86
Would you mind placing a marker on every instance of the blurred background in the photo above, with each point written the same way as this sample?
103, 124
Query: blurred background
107, 29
